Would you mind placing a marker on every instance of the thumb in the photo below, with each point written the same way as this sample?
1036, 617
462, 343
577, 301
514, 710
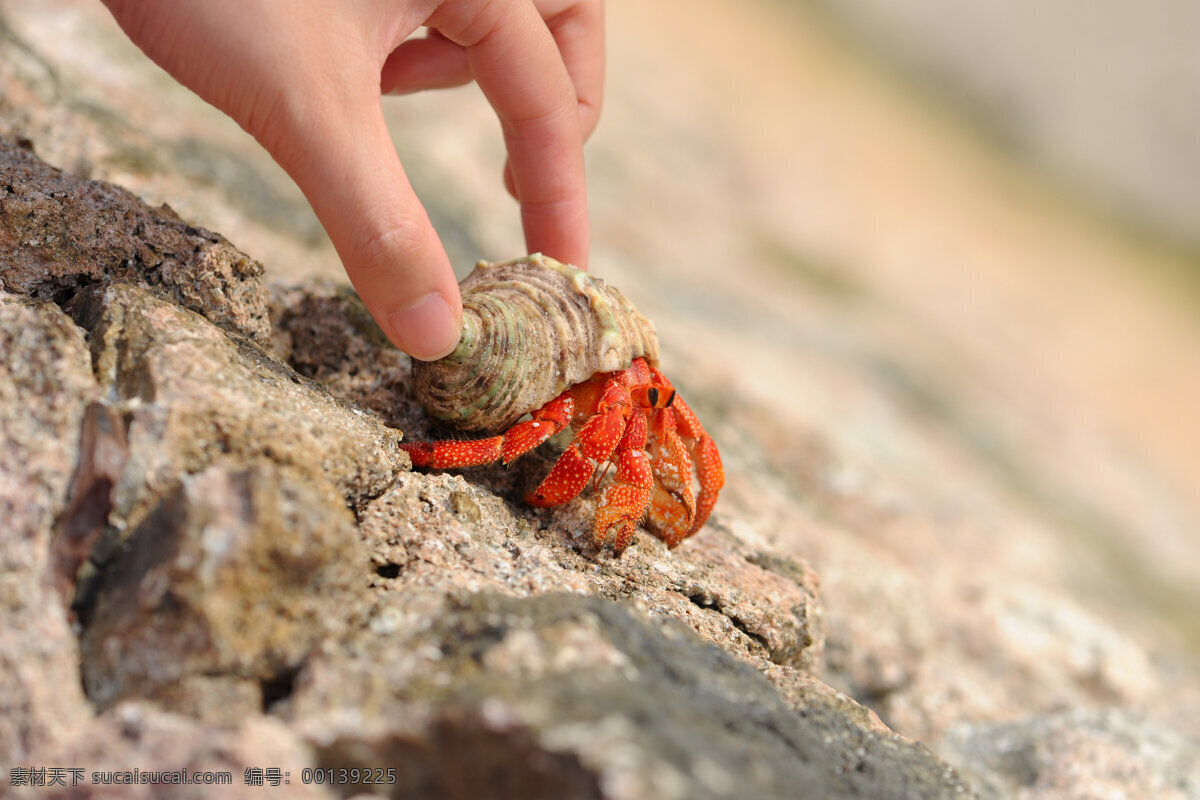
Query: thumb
344, 161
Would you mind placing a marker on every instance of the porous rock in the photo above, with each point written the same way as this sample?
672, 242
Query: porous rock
60, 233
192, 395
269, 565
439, 530
223, 590
45, 385
136, 751
240, 590
1081, 753
1044, 651
325, 333
569, 696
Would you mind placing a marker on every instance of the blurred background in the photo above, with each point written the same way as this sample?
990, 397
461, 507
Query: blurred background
929, 271
1101, 96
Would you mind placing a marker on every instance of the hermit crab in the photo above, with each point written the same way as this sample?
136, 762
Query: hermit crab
545, 346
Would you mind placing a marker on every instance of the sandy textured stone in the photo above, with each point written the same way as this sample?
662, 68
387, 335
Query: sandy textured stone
569, 696
193, 396
439, 530
60, 233
1077, 754
924, 659
324, 332
45, 385
119, 751
237, 575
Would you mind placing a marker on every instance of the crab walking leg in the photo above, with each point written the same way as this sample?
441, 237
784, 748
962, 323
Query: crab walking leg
452, 453
516, 441
565, 481
606, 404
623, 502
600, 436
712, 478
673, 506
544, 423
707, 459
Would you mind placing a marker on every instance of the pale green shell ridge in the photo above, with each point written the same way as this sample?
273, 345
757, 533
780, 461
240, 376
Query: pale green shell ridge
531, 327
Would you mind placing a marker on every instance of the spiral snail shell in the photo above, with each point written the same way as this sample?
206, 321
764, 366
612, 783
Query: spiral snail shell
531, 327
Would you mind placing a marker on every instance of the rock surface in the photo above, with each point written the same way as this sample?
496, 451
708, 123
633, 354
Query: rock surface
560, 695
1106, 753
62, 233
232, 579
472, 645
45, 384
867, 311
192, 395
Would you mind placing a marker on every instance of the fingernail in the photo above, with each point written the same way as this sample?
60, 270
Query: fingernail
427, 329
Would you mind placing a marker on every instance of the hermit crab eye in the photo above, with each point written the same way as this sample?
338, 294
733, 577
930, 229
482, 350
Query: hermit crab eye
659, 398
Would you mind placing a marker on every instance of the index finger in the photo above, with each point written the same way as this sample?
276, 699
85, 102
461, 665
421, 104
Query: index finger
517, 64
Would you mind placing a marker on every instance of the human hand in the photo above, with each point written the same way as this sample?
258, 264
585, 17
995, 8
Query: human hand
304, 78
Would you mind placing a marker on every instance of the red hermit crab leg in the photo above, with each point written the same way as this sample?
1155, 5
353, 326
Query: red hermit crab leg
516, 441
565, 481
707, 459
542, 424
623, 502
674, 504
606, 411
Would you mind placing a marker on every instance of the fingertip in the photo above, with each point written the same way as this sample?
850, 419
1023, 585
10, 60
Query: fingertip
427, 329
